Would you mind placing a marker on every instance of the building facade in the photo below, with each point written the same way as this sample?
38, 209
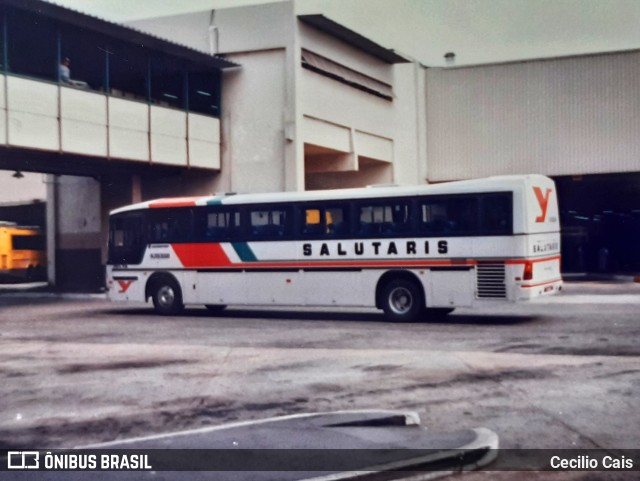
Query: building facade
109, 114
575, 119
314, 105
267, 98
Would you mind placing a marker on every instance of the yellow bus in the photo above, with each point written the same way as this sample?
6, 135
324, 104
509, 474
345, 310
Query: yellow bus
22, 252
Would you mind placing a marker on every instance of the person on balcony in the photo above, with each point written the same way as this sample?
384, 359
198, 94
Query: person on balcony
64, 72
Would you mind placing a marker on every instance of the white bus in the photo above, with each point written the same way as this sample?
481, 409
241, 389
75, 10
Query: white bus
414, 252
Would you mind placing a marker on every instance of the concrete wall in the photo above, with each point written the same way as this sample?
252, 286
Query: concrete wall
254, 114
348, 134
258, 100
285, 127
327, 46
558, 117
409, 124
79, 238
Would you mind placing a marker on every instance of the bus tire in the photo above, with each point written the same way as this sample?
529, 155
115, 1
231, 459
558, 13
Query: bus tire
166, 295
402, 300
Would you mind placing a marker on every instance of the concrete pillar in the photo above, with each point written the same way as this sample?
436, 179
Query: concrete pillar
78, 226
52, 194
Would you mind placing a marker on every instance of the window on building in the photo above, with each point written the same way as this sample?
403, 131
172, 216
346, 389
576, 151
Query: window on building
36, 46
87, 53
32, 45
329, 68
168, 81
204, 91
128, 71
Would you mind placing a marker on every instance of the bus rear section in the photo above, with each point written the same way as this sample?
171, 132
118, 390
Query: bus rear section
539, 273
22, 253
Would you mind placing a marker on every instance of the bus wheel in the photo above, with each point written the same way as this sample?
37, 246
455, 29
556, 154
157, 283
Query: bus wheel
402, 301
167, 297
215, 307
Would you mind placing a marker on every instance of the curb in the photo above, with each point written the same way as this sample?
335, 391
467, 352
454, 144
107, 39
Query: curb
12, 294
398, 437
580, 277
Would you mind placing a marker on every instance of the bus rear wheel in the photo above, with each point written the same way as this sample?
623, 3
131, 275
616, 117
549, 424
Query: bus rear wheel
403, 301
167, 296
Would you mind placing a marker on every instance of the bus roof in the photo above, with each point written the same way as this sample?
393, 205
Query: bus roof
14, 225
489, 184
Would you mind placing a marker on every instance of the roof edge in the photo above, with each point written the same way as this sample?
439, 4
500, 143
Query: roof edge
117, 30
353, 38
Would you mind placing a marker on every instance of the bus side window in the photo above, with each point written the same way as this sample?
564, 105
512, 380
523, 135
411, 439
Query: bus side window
313, 224
169, 225
497, 216
386, 219
337, 220
270, 224
450, 216
216, 225
325, 221
434, 217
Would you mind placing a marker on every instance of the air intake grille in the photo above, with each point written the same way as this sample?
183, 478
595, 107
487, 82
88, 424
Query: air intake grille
491, 281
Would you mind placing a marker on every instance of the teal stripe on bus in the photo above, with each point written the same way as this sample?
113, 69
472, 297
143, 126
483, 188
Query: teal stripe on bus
244, 252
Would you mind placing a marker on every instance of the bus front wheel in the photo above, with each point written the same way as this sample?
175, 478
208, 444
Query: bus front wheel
167, 296
402, 301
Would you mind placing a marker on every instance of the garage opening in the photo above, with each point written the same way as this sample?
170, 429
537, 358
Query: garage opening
600, 217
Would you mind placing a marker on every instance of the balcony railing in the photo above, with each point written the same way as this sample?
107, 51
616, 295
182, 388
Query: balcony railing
46, 116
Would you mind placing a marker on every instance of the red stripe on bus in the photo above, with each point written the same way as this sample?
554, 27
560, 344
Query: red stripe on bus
195, 255
524, 261
177, 202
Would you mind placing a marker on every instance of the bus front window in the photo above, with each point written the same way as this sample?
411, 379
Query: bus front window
125, 240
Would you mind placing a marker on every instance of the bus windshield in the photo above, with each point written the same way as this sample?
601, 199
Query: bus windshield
126, 239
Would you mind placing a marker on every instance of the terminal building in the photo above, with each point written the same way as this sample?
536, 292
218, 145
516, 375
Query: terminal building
267, 98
